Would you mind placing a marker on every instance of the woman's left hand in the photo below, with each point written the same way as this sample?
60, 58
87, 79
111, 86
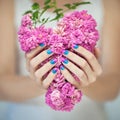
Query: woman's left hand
86, 68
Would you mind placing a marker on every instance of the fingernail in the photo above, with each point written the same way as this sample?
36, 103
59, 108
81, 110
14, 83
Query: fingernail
66, 52
49, 52
41, 44
66, 61
52, 62
54, 71
62, 67
76, 46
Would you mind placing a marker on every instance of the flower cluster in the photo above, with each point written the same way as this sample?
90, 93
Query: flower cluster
75, 28
30, 37
61, 95
80, 28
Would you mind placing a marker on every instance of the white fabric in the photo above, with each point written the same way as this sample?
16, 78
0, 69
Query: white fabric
85, 110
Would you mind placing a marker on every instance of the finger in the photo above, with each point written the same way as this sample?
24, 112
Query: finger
93, 62
48, 80
32, 54
40, 58
82, 63
35, 51
97, 52
68, 76
77, 71
44, 69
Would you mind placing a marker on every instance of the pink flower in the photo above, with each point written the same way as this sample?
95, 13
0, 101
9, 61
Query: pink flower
30, 38
65, 88
26, 20
74, 28
76, 97
56, 99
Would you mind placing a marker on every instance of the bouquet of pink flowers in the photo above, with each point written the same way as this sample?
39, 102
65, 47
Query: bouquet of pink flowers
73, 29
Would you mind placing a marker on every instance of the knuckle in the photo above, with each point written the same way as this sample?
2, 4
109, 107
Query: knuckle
45, 85
37, 75
82, 75
38, 81
99, 72
75, 83
28, 55
72, 81
78, 85
85, 84
32, 63
84, 64
93, 79
91, 57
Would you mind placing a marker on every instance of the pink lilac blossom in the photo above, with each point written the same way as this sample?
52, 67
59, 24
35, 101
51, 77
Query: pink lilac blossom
75, 28
30, 37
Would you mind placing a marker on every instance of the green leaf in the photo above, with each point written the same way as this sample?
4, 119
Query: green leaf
47, 2
68, 6
44, 20
37, 12
35, 15
35, 6
81, 3
27, 12
73, 7
47, 7
58, 10
58, 16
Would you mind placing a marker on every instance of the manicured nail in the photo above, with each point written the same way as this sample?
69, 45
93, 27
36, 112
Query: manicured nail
54, 71
52, 62
66, 61
41, 44
49, 52
76, 46
62, 67
66, 52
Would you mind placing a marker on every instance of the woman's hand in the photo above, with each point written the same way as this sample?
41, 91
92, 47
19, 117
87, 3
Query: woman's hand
33, 60
89, 68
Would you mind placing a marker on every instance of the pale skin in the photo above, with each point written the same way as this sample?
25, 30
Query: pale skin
95, 84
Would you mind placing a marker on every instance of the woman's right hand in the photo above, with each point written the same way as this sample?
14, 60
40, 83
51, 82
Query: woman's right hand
33, 60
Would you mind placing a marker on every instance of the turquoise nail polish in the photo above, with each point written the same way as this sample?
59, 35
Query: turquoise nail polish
76, 46
54, 71
49, 52
41, 44
65, 61
66, 52
62, 67
52, 62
